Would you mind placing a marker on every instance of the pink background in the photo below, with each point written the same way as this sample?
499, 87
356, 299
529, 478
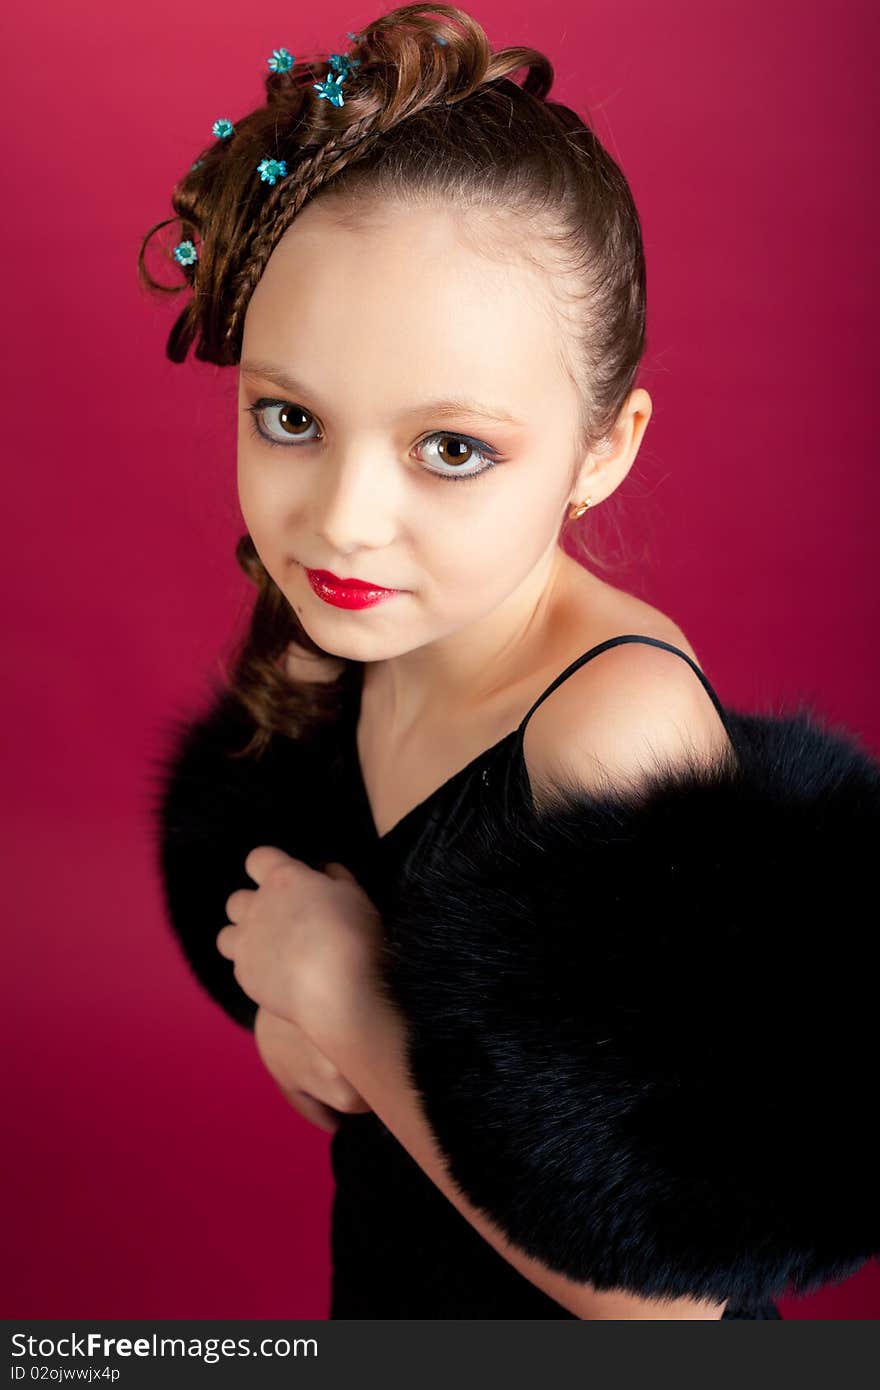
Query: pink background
152, 1168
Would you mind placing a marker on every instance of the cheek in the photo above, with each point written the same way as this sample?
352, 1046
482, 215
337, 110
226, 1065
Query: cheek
268, 503
270, 519
248, 489
482, 551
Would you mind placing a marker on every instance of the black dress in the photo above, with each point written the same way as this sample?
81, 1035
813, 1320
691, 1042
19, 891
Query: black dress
400, 1249
608, 1098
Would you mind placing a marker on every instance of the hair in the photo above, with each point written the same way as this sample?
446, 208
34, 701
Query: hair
429, 111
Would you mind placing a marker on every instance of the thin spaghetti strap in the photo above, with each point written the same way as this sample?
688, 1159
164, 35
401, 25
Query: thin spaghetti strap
613, 642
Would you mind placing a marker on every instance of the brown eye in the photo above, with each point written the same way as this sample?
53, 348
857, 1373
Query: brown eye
274, 418
293, 419
454, 450
271, 419
457, 452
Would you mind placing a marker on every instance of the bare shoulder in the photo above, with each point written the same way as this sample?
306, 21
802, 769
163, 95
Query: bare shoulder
624, 713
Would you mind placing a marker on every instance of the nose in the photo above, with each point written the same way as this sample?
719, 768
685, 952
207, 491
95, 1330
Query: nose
354, 503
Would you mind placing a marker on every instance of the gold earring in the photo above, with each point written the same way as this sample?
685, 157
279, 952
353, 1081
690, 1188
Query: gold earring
578, 508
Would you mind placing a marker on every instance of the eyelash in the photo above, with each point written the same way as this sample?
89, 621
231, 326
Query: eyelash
484, 450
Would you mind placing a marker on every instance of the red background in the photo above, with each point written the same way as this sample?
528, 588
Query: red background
152, 1168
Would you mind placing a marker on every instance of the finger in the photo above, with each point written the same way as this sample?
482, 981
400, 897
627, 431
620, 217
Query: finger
238, 902
262, 859
314, 1110
225, 942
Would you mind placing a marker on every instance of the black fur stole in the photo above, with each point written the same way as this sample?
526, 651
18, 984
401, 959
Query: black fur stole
644, 1030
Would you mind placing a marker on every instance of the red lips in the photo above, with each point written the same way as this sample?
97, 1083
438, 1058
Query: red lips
347, 593
338, 583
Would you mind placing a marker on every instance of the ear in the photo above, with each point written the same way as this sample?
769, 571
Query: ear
605, 467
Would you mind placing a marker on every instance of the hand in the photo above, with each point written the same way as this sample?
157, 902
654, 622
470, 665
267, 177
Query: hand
308, 1079
304, 942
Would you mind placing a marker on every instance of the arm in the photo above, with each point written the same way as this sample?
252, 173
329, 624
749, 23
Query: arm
369, 1047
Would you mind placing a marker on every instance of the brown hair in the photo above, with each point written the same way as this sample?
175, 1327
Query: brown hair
421, 120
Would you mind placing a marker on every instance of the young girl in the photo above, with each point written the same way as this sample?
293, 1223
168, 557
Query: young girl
535, 914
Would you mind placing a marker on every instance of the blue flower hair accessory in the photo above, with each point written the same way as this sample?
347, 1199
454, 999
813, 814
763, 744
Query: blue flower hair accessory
343, 64
281, 60
331, 88
185, 253
340, 66
272, 169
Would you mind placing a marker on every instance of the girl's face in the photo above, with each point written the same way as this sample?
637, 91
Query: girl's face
419, 426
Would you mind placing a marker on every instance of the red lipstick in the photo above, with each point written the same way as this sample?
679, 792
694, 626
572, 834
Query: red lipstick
347, 593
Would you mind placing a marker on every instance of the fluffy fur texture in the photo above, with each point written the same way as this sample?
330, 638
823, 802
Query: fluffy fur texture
209, 809
643, 1027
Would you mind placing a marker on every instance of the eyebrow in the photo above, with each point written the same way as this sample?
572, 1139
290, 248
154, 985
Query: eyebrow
458, 405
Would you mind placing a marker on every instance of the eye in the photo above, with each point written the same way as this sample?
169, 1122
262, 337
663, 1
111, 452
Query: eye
458, 460
292, 422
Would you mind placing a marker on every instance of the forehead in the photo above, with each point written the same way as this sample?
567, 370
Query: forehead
408, 304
